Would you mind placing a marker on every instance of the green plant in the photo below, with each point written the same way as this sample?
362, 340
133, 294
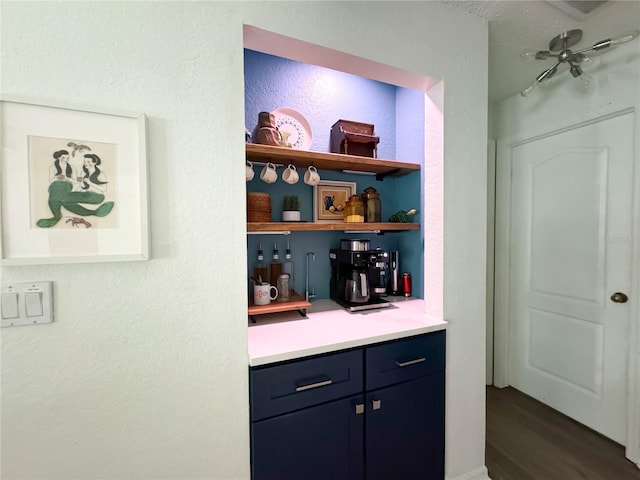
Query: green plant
290, 203
401, 216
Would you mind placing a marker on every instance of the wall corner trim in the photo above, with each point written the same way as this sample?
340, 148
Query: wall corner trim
478, 474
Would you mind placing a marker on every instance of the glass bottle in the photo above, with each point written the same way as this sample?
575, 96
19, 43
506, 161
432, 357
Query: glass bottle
287, 267
372, 205
260, 268
275, 267
354, 210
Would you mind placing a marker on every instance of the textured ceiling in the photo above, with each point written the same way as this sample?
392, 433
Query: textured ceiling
518, 25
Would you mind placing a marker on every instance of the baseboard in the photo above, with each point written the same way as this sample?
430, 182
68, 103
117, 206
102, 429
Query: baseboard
478, 474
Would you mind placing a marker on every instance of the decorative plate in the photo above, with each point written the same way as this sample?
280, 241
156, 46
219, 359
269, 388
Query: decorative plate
294, 128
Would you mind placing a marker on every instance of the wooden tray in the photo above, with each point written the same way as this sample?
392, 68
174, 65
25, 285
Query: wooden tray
297, 302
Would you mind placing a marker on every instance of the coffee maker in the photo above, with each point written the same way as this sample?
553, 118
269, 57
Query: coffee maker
355, 276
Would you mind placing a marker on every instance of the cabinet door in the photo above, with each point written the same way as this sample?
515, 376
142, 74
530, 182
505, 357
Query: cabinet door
317, 443
405, 430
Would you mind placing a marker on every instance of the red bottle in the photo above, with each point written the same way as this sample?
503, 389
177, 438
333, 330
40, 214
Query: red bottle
406, 284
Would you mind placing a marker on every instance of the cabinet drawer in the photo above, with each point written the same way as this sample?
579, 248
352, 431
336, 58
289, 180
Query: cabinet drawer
285, 388
405, 359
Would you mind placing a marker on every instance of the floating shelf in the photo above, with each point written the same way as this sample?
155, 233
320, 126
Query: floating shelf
317, 227
328, 161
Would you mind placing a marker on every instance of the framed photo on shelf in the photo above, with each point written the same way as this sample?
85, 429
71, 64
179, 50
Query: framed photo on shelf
74, 185
330, 199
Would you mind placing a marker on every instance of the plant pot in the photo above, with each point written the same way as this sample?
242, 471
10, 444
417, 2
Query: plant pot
290, 216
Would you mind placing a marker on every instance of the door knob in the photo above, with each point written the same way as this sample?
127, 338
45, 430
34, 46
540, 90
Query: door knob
619, 297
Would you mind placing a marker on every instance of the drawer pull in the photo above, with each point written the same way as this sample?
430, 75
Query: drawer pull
411, 362
359, 408
376, 404
314, 385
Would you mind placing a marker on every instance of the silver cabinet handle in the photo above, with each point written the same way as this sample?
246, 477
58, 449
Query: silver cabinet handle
314, 385
411, 362
376, 404
359, 408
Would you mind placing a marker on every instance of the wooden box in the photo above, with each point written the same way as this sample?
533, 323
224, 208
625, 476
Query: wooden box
354, 138
258, 207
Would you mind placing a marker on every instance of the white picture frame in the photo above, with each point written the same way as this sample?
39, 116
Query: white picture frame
87, 205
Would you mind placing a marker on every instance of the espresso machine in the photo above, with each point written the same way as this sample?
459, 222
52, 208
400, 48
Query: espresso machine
356, 279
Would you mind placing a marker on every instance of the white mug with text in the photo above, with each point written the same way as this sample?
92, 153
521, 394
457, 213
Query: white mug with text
262, 294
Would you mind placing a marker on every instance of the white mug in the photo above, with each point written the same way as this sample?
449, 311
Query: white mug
262, 294
290, 175
269, 173
311, 176
249, 173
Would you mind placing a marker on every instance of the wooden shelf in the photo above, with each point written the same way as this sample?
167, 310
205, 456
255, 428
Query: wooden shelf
316, 227
297, 302
328, 161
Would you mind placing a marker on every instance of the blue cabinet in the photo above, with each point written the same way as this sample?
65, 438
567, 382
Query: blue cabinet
317, 443
374, 413
405, 430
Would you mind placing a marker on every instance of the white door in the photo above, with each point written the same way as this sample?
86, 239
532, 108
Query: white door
571, 247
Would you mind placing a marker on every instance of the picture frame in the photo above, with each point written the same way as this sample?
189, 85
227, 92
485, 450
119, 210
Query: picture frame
327, 194
74, 185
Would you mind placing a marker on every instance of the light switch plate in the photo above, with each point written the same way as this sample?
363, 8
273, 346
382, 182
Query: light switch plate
34, 298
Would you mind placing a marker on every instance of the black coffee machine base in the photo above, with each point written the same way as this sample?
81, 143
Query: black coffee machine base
372, 304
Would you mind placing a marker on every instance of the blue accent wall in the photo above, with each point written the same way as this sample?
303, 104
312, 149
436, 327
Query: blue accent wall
324, 96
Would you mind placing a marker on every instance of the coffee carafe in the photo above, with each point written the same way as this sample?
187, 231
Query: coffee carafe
356, 288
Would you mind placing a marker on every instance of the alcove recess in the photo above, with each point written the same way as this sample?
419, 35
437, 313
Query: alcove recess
422, 241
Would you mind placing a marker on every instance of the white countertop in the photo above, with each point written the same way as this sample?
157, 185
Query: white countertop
328, 327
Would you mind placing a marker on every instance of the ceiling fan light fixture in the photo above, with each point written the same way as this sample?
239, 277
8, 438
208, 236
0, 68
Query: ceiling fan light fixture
585, 82
575, 70
625, 37
613, 41
528, 55
540, 79
562, 43
529, 89
544, 54
547, 74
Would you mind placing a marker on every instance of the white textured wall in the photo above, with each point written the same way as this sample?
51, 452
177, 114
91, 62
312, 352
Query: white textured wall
144, 372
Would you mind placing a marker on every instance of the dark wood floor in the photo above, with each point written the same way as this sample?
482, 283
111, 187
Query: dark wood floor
527, 440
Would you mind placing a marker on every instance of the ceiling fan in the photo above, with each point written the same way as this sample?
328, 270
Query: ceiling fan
559, 48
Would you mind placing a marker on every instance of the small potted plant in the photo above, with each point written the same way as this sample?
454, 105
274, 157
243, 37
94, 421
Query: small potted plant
290, 208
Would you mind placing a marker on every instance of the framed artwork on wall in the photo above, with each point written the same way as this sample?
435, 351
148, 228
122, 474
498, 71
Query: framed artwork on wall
330, 199
74, 185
